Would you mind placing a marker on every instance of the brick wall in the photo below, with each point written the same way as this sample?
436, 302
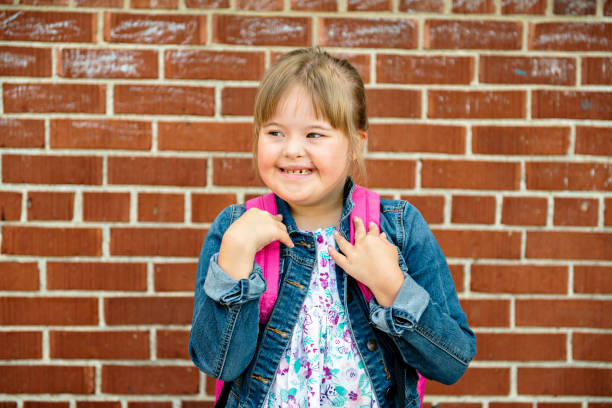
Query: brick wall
126, 127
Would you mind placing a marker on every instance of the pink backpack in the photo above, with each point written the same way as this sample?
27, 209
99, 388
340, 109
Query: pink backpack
367, 207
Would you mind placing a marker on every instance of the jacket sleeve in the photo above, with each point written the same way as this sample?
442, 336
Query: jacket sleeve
225, 321
426, 321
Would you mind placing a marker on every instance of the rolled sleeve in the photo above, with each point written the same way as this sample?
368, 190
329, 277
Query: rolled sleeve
220, 287
404, 313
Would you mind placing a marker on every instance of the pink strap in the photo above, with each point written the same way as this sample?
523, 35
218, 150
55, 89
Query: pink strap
268, 258
367, 207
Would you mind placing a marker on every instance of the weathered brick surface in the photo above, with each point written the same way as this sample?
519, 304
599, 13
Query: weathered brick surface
126, 127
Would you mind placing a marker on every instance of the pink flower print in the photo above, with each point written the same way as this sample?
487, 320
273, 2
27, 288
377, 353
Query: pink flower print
323, 262
324, 280
347, 336
308, 370
319, 239
352, 396
333, 317
327, 373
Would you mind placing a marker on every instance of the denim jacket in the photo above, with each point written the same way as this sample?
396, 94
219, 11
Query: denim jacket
424, 329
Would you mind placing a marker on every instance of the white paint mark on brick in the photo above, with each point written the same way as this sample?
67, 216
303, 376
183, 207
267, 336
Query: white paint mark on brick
102, 64
12, 60
195, 56
155, 31
571, 35
13, 26
250, 30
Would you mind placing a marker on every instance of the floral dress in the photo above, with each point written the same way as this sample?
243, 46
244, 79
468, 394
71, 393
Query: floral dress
321, 366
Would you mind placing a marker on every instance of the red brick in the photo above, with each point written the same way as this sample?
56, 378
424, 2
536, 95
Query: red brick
148, 310
369, 5
238, 101
410, 137
424, 69
583, 36
99, 3
480, 244
456, 405
175, 277
475, 381
205, 136
206, 207
569, 245
48, 26
593, 279
22, 132
20, 345
107, 63
473, 34
378, 172
209, 404
596, 70
114, 345
559, 405
523, 140
496, 69
159, 207
259, 5
368, 32
149, 380
18, 240
430, 206
19, 276
154, 4
608, 211
592, 346
422, 6
563, 313
45, 3
54, 98
230, 171
149, 404
594, 140
473, 209
171, 171
259, 30
521, 346
106, 206
52, 205
100, 134
10, 206
51, 169
524, 7
207, 4
113, 276
569, 7
607, 11
202, 64
576, 211
572, 104
526, 279
316, 5
154, 28
49, 311
458, 274
46, 379
475, 175
173, 344
164, 100
394, 103
568, 176
98, 404
156, 241
25, 61
473, 7
476, 104
564, 381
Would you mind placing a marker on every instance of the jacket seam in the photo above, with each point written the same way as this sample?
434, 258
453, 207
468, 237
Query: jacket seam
442, 346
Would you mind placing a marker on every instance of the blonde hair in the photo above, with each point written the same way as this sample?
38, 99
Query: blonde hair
336, 89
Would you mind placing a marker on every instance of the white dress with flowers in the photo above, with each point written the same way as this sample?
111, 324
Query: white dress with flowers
321, 366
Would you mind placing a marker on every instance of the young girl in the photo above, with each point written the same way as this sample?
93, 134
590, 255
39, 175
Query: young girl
323, 344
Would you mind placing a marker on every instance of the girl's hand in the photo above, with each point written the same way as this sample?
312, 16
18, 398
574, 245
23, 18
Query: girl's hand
373, 261
248, 234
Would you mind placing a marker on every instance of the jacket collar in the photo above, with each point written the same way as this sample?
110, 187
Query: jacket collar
283, 208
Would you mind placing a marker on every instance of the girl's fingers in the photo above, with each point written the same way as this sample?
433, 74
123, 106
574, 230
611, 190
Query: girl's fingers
338, 258
359, 228
343, 244
373, 228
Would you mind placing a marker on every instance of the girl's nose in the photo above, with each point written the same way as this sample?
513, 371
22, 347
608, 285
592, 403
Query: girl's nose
294, 147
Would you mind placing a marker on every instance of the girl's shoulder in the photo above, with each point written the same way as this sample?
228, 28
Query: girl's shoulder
401, 208
228, 215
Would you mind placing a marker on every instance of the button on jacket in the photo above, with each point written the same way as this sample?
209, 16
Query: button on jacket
425, 328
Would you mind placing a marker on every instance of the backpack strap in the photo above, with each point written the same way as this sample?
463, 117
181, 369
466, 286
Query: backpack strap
268, 258
367, 207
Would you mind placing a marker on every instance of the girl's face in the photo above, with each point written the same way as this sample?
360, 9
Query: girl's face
301, 157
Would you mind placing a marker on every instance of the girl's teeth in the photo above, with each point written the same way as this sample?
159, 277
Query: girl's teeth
302, 171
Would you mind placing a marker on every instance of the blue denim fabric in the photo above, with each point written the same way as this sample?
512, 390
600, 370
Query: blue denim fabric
425, 328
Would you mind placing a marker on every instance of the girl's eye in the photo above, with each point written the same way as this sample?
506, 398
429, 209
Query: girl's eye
314, 135
275, 133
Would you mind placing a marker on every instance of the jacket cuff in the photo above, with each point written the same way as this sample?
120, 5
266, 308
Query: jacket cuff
404, 313
221, 288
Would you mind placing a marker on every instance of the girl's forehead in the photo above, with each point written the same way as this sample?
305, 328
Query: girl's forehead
297, 102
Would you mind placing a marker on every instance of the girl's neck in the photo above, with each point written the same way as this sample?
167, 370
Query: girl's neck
312, 218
